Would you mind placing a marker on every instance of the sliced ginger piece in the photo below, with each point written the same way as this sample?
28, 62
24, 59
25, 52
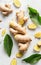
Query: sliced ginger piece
13, 62
17, 3
36, 48
39, 43
32, 26
21, 22
38, 35
3, 32
19, 55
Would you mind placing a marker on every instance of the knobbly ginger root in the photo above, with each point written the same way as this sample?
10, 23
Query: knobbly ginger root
17, 27
20, 36
6, 9
23, 47
20, 17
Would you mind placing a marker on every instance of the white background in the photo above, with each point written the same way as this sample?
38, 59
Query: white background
4, 59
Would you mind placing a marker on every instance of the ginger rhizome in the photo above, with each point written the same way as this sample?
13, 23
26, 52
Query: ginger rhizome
21, 18
20, 35
6, 9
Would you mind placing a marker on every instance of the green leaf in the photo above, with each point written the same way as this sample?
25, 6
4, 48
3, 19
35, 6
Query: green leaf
8, 44
34, 58
34, 15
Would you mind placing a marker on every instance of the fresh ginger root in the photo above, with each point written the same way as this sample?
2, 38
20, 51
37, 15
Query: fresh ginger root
14, 32
20, 17
20, 36
6, 9
17, 27
23, 47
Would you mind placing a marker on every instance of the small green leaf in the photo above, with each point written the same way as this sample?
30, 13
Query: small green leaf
34, 15
34, 58
8, 44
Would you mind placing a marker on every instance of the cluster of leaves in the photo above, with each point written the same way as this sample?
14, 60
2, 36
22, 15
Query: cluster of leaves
34, 15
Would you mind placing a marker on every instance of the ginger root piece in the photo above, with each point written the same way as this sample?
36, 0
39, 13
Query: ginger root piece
36, 48
22, 38
5, 9
39, 43
17, 27
13, 62
38, 35
14, 32
7, 5
17, 3
19, 55
20, 17
23, 47
32, 26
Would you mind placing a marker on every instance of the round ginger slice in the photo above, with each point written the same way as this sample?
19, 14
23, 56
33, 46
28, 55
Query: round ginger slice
36, 48
32, 26
19, 55
17, 3
39, 43
38, 35
13, 62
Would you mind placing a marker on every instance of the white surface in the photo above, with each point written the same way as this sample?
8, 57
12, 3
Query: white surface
4, 59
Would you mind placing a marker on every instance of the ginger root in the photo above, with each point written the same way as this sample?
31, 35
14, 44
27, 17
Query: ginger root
22, 38
23, 47
17, 27
14, 32
6, 9
20, 17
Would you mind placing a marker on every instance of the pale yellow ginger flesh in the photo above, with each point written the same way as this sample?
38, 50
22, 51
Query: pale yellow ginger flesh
32, 26
37, 35
19, 55
6, 9
13, 62
23, 47
22, 38
36, 48
17, 27
39, 43
17, 3
3, 32
20, 17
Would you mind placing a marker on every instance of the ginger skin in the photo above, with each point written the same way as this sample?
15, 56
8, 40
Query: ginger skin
6, 9
23, 47
17, 27
20, 36
20, 17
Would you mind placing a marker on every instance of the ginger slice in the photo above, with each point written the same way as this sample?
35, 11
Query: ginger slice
21, 17
38, 35
36, 48
13, 62
3, 32
39, 43
19, 55
17, 3
32, 26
